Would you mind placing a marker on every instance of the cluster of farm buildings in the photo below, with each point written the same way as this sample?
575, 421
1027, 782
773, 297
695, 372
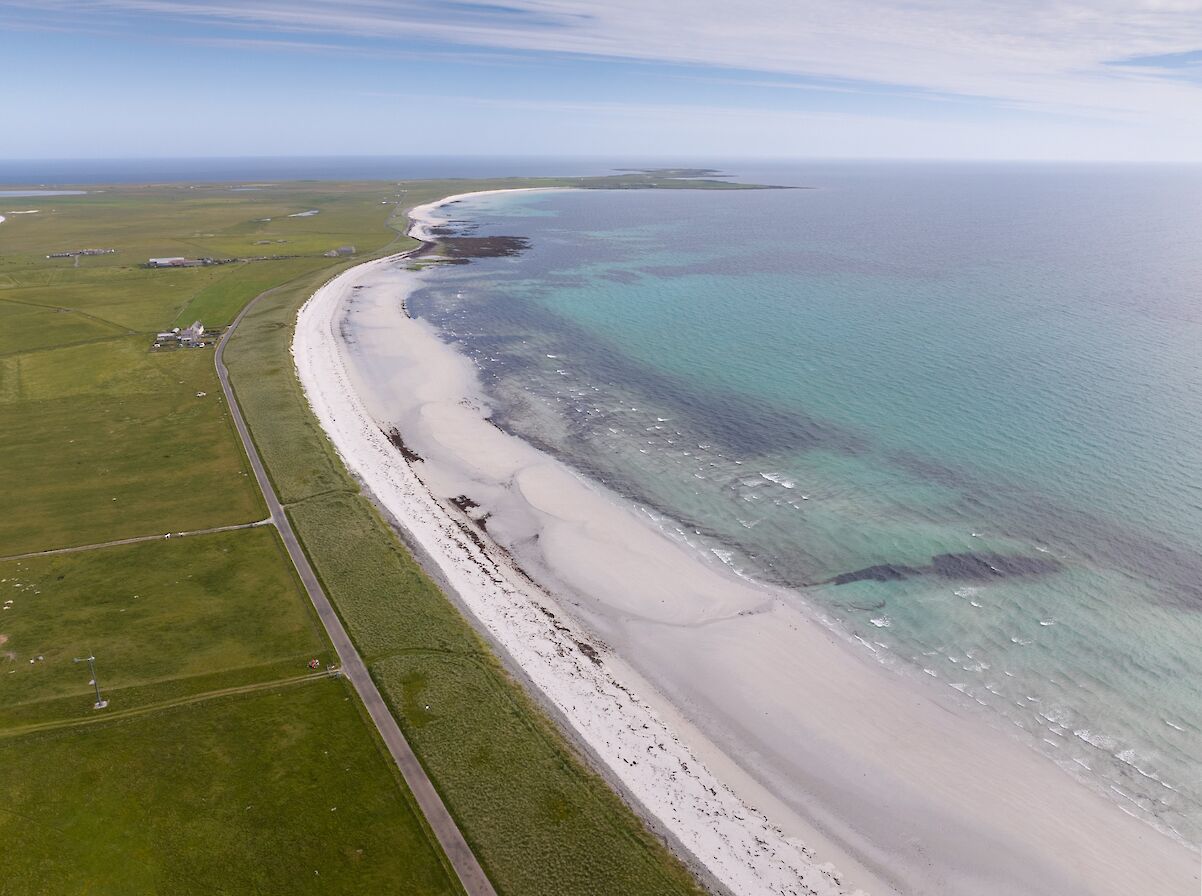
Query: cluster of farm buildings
194, 336
179, 261
77, 252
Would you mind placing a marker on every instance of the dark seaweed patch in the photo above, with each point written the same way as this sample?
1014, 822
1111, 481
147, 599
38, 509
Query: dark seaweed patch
464, 503
971, 567
469, 247
882, 572
394, 436
589, 651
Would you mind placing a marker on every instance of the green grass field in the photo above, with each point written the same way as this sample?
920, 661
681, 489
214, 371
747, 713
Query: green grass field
157, 614
221, 764
278, 791
108, 440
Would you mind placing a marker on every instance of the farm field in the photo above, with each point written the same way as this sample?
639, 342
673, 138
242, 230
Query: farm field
222, 763
274, 791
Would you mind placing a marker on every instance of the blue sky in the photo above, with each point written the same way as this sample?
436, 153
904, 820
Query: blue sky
781, 78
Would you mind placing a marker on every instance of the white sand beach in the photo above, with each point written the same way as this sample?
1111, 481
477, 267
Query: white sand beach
753, 735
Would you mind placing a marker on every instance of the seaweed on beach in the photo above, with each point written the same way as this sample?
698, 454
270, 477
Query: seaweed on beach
589, 651
394, 435
466, 505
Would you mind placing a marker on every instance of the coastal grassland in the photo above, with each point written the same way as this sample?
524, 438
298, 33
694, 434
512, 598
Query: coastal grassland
173, 613
221, 765
539, 820
218, 303
107, 440
278, 791
206, 220
26, 327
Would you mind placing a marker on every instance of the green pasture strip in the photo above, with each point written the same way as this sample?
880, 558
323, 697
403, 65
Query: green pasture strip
109, 440
270, 792
156, 611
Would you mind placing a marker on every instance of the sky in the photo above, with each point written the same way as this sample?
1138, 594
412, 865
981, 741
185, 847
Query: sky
964, 79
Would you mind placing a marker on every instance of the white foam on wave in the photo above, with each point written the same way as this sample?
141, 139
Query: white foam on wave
1131, 759
865, 643
1101, 741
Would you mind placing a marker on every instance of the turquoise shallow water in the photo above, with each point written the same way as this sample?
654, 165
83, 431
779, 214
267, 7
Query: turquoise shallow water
970, 394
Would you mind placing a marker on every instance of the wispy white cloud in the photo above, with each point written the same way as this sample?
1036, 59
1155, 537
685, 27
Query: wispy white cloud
1054, 52
333, 48
1053, 56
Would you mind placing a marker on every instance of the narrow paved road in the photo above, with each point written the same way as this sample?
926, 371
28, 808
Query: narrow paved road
471, 875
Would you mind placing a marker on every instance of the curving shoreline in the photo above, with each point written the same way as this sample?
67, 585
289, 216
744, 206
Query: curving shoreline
733, 843
878, 753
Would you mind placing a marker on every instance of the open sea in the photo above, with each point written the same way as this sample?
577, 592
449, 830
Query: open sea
956, 408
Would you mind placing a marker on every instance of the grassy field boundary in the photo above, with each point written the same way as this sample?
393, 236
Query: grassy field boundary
147, 709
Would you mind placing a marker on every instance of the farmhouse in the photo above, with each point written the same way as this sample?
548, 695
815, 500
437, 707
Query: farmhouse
190, 337
193, 335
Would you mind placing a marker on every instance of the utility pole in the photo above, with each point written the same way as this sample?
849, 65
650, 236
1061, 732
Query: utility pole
100, 703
